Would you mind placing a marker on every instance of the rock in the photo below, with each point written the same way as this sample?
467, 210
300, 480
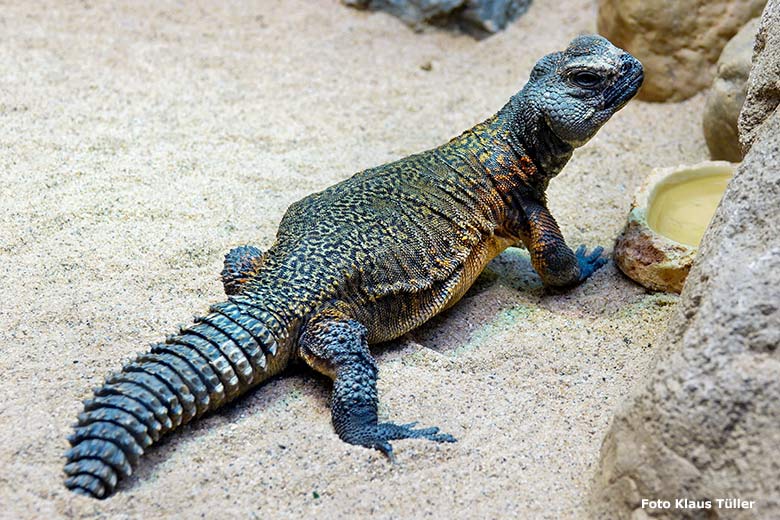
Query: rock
725, 98
677, 42
479, 18
763, 93
703, 425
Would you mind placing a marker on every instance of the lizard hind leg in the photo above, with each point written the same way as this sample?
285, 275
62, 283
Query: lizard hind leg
241, 263
338, 349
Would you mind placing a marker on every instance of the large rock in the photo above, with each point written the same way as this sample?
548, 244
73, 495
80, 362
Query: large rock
677, 42
477, 17
763, 93
704, 426
725, 98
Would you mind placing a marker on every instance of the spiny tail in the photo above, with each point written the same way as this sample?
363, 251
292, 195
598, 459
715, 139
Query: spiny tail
215, 360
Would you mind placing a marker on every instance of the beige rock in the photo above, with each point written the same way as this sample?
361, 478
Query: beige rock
763, 93
677, 42
704, 424
725, 98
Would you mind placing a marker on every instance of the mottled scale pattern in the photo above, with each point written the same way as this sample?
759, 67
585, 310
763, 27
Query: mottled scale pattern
216, 359
365, 261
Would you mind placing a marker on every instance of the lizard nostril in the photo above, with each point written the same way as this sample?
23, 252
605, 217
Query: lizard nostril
629, 64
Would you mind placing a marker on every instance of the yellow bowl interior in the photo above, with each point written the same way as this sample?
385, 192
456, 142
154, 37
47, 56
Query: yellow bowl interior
682, 205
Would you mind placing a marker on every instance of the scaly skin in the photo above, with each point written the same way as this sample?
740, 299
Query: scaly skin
365, 261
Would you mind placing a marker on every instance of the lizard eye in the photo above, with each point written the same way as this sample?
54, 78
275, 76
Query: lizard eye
585, 79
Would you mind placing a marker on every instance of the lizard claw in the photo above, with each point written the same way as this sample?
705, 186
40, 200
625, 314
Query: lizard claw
589, 263
387, 449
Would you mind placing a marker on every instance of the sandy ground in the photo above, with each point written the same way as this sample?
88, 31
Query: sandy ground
140, 143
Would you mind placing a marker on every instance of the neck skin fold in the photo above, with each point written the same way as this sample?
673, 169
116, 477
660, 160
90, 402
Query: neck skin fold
525, 127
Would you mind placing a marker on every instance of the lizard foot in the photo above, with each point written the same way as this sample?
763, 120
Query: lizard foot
377, 436
338, 348
589, 263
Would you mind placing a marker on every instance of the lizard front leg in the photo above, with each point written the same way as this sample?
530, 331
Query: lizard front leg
556, 263
336, 347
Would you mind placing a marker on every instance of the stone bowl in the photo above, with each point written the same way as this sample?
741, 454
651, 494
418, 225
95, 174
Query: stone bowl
669, 214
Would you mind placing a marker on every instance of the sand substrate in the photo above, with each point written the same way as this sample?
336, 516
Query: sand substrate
140, 143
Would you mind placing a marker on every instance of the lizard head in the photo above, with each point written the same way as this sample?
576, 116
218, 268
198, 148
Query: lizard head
576, 91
